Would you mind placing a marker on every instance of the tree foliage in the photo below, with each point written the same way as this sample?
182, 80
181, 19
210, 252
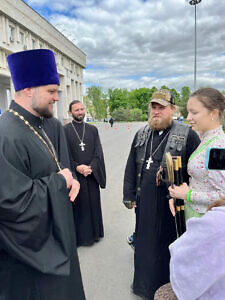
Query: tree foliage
139, 98
97, 98
128, 114
122, 114
185, 93
137, 115
126, 105
89, 106
118, 98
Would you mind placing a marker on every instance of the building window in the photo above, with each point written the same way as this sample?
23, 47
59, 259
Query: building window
40, 45
62, 61
21, 37
11, 33
33, 43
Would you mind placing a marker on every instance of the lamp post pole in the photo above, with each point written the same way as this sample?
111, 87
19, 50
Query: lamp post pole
195, 2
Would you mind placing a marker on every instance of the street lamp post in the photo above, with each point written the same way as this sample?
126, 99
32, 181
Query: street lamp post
195, 2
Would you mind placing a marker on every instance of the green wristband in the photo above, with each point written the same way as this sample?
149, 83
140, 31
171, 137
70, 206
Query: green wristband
189, 196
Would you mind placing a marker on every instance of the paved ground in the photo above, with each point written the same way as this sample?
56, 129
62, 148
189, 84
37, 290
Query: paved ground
107, 267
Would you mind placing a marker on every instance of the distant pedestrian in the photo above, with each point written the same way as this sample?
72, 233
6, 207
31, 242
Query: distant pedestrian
111, 121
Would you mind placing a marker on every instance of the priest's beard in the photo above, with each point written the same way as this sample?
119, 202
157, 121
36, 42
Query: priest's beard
43, 112
78, 118
159, 124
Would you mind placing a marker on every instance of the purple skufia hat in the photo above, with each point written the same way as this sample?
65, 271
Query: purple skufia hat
33, 68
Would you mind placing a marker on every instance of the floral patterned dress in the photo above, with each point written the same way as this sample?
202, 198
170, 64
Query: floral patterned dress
206, 185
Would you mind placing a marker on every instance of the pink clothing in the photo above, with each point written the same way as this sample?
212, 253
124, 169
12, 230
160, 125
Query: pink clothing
206, 185
197, 265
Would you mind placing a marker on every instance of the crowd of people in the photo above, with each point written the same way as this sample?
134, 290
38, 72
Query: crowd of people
50, 193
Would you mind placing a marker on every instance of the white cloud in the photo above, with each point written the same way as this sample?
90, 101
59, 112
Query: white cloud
144, 43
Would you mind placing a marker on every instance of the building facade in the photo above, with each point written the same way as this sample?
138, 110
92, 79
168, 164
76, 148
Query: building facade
21, 28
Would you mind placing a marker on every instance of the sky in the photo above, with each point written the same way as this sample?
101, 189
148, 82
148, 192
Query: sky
143, 43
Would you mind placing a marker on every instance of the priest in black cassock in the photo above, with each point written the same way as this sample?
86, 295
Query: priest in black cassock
55, 131
38, 257
87, 161
155, 225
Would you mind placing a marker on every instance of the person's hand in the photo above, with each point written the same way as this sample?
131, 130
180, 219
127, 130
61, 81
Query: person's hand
84, 170
67, 174
179, 192
130, 204
75, 187
87, 171
80, 169
172, 207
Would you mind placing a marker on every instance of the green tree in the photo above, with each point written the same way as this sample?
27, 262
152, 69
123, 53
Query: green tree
105, 105
137, 115
139, 98
97, 99
185, 93
176, 96
89, 107
118, 98
122, 114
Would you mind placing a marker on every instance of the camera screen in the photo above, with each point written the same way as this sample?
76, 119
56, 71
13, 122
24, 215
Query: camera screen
216, 159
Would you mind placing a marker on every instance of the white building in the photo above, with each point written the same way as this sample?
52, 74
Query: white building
21, 28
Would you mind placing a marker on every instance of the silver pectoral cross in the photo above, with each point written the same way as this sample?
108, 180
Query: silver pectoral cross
82, 146
149, 162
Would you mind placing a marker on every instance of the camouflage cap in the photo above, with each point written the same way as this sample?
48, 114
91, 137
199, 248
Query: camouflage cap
163, 97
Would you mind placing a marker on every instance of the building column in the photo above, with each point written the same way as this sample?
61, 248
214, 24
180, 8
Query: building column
76, 91
12, 91
3, 99
73, 91
62, 95
80, 92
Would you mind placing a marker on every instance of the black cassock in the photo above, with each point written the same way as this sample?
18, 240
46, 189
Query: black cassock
55, 132
87, 207
38, 257
155, 224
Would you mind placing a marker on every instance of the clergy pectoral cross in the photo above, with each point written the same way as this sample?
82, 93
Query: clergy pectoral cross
149, 162
82, 146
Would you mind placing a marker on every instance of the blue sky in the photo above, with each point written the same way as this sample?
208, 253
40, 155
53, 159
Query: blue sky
143, 43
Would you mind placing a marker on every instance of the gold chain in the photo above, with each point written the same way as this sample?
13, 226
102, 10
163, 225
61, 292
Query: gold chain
52, 151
